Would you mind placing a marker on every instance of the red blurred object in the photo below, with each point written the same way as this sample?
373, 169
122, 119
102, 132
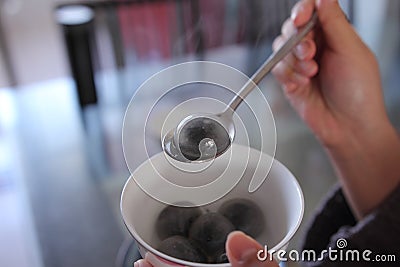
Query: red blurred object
147, 29
156, 29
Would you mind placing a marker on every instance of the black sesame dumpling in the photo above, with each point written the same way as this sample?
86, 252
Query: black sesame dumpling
182, 248
245, 215
175, 220
210, 232
220, 257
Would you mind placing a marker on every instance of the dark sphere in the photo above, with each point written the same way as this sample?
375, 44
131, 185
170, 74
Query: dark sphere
176, 221
210, 231
245, 215
182, 248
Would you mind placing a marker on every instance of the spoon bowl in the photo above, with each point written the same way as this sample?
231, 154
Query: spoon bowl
200, 137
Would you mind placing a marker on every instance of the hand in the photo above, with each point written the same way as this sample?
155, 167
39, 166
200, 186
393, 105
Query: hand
241, 250
332, 80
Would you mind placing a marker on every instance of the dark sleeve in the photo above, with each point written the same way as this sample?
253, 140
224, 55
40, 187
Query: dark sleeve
335, 228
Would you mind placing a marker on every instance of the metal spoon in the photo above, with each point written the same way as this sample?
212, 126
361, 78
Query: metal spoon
202, 137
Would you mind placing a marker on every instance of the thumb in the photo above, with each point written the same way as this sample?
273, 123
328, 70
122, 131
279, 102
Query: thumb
242, 251
338, 32
142, 263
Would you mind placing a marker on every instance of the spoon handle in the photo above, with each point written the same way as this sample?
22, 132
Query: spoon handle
270, 63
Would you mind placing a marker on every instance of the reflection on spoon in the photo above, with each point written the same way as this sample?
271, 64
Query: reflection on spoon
207, 148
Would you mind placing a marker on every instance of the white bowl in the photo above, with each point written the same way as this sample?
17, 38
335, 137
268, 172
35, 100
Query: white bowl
279, 196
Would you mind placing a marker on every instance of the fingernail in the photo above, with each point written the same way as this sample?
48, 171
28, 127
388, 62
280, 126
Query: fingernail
295, 11
302, 49
139, 263
293, 15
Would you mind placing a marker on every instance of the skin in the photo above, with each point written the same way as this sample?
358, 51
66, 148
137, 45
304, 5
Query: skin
332, 80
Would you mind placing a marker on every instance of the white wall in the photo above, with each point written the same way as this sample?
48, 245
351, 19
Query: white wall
369, 20
34, 40
377, 22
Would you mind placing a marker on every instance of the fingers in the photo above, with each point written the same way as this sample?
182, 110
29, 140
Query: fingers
242, 251
299, 74
142, 263
298, 67
289, 79
306, 68
338, 32
305, 50
302, 12
288, 28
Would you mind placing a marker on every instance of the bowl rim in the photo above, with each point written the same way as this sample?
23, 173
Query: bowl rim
280, 245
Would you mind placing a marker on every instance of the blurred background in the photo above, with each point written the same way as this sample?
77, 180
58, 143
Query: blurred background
67, 72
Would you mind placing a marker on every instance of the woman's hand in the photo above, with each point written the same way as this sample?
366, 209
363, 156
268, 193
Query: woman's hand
242, 251
332, 80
